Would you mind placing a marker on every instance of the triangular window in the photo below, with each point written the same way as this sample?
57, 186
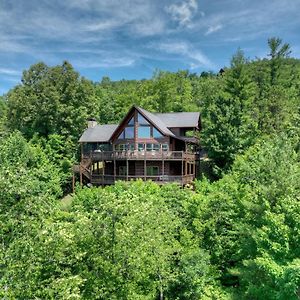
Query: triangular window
131, 122
142, 120
122, 135
156, 133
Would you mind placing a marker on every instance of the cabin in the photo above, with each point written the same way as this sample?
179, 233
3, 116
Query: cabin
162, 147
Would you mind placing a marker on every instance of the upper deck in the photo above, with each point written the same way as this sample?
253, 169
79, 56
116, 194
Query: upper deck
142, 155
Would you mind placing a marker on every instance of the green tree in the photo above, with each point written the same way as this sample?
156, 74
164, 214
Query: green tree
229, 124
248, 220
277, 53
51, 100
3, 113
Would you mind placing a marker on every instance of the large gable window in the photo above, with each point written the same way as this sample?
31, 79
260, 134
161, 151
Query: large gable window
142, 120
156, 133
131, 121
122, 135
128, 132
144, 132
144, 128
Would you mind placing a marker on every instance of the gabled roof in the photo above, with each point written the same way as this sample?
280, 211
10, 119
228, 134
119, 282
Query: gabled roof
156, 121
99, 133
179, 119
162, 121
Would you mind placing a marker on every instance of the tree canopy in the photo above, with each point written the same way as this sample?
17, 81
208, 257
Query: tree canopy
234, 235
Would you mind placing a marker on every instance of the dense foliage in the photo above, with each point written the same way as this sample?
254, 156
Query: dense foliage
234, 237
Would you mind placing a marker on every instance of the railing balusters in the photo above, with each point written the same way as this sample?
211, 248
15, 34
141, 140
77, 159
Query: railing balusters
167, 155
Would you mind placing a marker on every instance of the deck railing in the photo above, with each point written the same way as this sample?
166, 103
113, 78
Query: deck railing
110, 179
141, 155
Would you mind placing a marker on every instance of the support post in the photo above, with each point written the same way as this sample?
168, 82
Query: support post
115, 167
163, 164
127, 168
102, 171
182, 169
80, 175
145, 166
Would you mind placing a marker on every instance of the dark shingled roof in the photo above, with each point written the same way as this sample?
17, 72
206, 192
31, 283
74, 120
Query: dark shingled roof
179, 119
99, 133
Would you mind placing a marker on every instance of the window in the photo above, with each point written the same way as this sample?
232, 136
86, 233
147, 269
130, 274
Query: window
122, 135
103, 147
121, 147
152, 170
87, 148
156, 133
122, 171
165, 147
124, 147
141, 147
129, 132
131, 121
142, 120
144, 132
153, 147
156, 147
144, 129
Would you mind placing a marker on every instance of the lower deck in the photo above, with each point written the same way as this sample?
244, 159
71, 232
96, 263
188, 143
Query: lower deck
108, 172
111, 179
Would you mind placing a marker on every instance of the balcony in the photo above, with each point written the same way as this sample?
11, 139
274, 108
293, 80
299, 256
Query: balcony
141, 155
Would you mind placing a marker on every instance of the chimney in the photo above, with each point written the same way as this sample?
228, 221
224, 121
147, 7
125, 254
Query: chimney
91, 122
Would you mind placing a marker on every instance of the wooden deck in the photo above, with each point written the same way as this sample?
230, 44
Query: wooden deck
161, 179
141, 155
85, 168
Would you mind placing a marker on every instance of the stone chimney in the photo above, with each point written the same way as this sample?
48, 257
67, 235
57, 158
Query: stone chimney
91, 122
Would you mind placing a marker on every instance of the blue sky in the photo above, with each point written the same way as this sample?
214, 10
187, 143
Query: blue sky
131, 38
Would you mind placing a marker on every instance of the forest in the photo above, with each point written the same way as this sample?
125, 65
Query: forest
234, 234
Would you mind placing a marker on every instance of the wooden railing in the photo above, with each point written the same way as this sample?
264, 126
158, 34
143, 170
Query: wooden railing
140, 155
110, 179
83, 167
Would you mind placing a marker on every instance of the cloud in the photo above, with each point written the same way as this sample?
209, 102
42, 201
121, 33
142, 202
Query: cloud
10, 72
102, 25
112, 62
196, 57
183, 12
213, 28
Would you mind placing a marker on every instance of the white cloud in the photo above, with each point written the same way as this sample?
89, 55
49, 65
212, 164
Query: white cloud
110, 62
195, 56
10, 72
102, 25
183, 12
213, 28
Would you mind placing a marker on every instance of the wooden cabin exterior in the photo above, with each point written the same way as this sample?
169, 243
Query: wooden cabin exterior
144, 145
